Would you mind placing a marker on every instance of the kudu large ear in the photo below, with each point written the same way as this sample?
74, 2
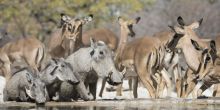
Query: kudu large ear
196, 45
180, 21
196, 24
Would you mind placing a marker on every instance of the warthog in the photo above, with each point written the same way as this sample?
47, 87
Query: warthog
23, 86
98, 58
57, 71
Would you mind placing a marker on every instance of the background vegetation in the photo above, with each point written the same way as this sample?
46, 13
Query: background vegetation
22, 18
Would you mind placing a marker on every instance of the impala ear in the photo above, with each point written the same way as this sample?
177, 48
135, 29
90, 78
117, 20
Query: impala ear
196, 45
177, 30
88, 18
92, 43
180, 21
137, 19
120, 20
196, 24
213, 46
64, 19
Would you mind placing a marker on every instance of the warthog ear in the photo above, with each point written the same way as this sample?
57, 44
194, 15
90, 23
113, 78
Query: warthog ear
180, 21
196, 45
93, 43
29, 77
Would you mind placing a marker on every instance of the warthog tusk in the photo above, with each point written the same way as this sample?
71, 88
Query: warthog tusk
29, 93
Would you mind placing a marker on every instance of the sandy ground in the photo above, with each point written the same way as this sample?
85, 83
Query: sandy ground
142, 92
126, 102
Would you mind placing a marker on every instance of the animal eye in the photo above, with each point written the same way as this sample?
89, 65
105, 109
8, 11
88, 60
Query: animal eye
168, 50
34, 85
130, 26
101, 52
207, 58
62, 65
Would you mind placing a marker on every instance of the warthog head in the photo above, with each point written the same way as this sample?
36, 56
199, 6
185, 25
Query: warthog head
102, 63
36, 89
127, 25
58, 70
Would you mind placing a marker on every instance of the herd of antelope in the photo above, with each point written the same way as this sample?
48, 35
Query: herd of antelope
69, 65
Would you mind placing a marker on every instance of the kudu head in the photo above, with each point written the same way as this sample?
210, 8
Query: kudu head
207, 59
127, 25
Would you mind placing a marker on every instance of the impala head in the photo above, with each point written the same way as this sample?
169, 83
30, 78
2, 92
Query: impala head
102, 62
36, 89
207, 59
73, 27
58, 70
127, 25
184, 32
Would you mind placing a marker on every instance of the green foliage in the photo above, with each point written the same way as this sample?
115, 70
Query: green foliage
39, 17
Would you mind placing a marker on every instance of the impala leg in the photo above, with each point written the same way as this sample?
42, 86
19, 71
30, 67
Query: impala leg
203, 88
167, 80
178, 82
130, 83
147, 82
135, 86
216, 92
119, 90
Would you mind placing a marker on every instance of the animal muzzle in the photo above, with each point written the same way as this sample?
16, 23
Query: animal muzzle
110, 81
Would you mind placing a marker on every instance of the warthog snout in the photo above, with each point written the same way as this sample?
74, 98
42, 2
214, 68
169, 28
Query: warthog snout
111, 81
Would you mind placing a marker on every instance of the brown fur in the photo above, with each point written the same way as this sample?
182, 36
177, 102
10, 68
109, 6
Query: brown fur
142, 51
68, 39
29, 49
101, 34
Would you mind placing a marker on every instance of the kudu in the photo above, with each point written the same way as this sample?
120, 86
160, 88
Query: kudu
68, 39
29, 49
126, 28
